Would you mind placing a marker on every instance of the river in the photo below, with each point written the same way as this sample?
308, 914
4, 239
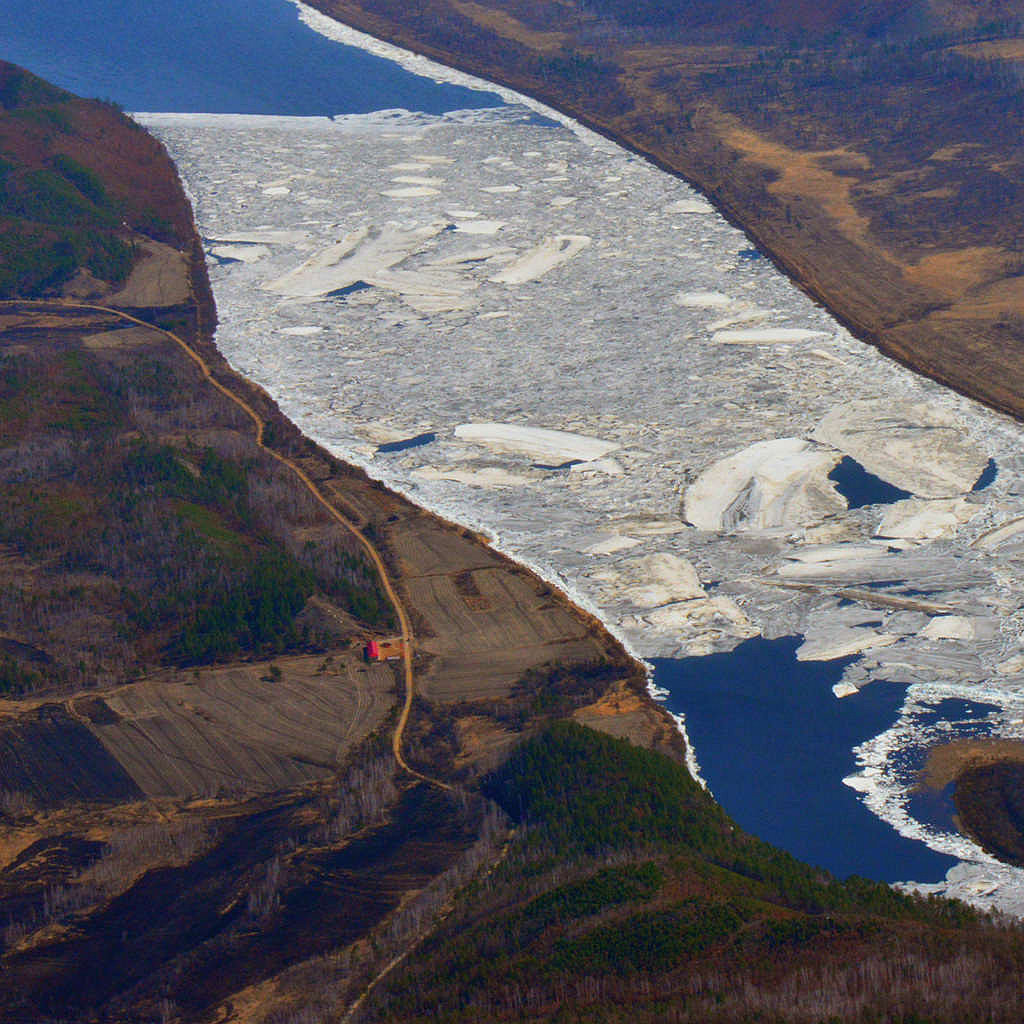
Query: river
584, 360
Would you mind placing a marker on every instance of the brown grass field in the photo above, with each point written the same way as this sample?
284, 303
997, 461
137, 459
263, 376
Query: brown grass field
235, 730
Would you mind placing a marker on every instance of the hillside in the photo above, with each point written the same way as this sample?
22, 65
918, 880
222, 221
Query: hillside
71, 208
187, 586
212, 808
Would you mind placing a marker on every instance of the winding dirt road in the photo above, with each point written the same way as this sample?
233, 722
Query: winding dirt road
260, 425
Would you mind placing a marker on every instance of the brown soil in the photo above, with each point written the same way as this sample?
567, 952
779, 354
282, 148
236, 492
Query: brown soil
946, 763
159, 278
236, 728
625, 714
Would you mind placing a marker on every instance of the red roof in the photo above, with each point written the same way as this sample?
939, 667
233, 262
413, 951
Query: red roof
373, 649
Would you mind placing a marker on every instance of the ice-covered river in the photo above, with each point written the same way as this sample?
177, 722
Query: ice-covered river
531, 331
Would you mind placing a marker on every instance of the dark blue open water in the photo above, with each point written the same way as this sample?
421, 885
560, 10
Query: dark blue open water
217, 56
404, 445
860, 488
774, 745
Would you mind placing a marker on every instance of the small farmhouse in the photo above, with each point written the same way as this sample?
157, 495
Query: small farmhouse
384, 650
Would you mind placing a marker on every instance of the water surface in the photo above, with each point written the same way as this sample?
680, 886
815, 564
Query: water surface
774, 744
221, 56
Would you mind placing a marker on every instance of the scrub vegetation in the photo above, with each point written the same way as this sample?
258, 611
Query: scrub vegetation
157, 533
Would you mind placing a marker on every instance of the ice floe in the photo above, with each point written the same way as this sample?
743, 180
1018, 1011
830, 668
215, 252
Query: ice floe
410, 192
781, 482
702, 300
542, 258
763, 336
479, 227
921, 448
917, 519
538, 442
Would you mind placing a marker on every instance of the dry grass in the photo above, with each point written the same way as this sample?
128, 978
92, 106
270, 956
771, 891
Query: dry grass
237, 729
486, 621
160, 278
503, 24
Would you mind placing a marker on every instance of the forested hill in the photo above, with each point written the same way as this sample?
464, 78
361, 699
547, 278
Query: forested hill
76, 179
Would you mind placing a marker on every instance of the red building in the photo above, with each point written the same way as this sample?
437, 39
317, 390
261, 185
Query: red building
384, 650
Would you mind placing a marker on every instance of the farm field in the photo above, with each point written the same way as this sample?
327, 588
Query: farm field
240, 729
485, 622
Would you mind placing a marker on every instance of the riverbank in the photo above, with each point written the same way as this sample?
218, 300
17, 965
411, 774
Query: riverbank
506, 53
237, 836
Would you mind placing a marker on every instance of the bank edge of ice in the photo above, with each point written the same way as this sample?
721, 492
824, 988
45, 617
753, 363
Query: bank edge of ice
421, 65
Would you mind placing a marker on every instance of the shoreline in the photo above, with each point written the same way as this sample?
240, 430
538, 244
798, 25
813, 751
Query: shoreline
206, 307
444, 509
456, 519
552, 578
413, 62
